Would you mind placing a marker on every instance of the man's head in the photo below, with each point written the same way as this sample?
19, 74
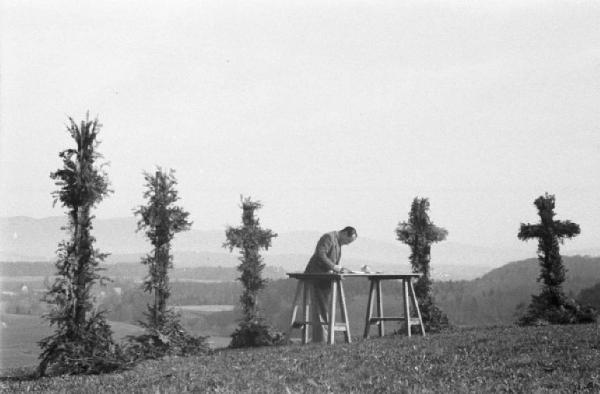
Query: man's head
347, 235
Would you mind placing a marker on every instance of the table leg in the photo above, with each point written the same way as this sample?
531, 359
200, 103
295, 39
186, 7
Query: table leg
344, 313
307, 300
406, 306
294, 310
416, 306
334, 286
369, 310
380, 309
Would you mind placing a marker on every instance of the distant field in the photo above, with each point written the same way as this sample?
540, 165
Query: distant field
19, 335
204, 308
218, 342
18, 340
22, 279
201, 280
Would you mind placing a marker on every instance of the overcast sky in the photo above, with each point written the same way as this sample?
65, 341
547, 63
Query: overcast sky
330, 113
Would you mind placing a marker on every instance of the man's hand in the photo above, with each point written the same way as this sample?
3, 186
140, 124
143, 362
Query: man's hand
337, 269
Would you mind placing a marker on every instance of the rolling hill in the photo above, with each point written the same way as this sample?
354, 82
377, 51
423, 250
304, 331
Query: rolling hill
493, 298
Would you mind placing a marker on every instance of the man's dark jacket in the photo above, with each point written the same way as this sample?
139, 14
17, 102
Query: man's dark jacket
327, 254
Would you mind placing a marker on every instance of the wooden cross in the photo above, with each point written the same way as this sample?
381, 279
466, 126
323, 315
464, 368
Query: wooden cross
549, 233
419, 233
548, 228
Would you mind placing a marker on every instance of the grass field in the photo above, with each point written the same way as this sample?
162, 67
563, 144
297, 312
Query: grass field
500, 359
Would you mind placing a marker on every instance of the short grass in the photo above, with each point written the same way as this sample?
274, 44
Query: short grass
499, 359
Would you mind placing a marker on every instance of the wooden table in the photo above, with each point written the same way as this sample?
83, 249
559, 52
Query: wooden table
304, 288
408, 293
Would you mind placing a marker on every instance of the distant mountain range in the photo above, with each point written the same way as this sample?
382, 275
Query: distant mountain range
28, 239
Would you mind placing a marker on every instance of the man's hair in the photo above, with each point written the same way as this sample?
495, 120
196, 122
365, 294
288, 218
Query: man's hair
350, 231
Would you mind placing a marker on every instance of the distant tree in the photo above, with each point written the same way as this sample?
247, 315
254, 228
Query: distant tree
82, 341
419, 233
551, 305
250, 238
161, 219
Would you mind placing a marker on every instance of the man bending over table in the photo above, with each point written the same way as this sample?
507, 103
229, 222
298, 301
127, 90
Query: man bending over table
326, 259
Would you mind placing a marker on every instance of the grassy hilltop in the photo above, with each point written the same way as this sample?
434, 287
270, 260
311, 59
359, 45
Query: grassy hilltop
547, 358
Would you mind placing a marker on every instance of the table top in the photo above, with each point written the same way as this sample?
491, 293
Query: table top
335, 275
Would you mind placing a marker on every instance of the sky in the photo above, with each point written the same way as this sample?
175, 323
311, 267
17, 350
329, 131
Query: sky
331, 113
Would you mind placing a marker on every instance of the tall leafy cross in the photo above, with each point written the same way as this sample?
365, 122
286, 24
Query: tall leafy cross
82, 340
249, 238
160, 219
419, 233
549, 233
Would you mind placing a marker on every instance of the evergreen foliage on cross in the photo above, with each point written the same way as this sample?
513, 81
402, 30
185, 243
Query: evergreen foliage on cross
551, 305
419, 232
549, 233
250, 238
160, 219
82, 341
